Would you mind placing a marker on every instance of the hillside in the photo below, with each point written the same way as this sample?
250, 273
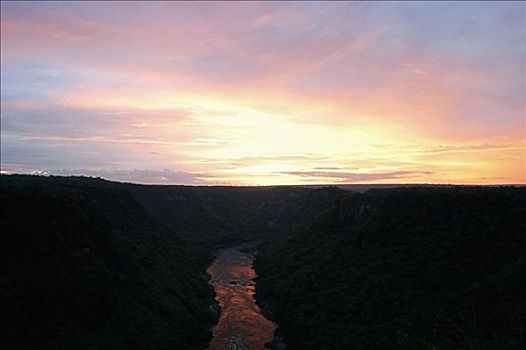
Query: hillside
85, 266
93, 263
428, 268
211, 216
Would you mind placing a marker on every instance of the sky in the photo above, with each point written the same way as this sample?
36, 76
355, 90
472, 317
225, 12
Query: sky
265, 93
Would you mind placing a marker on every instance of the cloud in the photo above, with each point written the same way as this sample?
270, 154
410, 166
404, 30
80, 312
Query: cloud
144, 176
47, 120
262, 91
468, 148
351, 177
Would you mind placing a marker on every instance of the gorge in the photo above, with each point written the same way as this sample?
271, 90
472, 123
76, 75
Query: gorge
91, 264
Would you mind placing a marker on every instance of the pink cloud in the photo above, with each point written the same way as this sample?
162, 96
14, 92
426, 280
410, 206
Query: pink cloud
189, 81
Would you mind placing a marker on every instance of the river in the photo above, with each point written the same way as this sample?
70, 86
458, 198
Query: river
241, 324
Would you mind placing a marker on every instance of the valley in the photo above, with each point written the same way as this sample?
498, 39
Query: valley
92, 264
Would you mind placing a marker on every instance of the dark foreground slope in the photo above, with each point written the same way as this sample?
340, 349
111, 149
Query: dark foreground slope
428, 268
85, 266
88, 263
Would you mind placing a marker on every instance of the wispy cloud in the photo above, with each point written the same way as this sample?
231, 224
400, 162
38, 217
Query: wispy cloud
352, 177
265, 93
145, 176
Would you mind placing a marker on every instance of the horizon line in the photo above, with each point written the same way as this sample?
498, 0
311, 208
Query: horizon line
424, 184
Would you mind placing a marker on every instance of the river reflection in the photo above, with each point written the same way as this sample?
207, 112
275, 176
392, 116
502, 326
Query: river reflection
241, 324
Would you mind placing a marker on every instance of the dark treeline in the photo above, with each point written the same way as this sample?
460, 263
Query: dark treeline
420, 268
93, 264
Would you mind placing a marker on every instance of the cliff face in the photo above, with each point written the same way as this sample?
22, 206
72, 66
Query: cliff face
437, 268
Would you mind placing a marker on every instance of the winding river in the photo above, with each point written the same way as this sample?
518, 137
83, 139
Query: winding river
241, 324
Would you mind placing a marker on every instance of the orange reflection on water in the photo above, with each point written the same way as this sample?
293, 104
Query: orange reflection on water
241, 324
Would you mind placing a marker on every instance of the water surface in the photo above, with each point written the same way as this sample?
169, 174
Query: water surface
241, 324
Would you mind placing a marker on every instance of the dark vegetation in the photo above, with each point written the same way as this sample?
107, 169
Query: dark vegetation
211, 216
417, 268
93, 264
85, 266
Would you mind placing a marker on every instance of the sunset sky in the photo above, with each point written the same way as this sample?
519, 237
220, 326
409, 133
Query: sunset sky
255, 93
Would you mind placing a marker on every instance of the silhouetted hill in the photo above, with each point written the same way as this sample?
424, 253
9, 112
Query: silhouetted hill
426, 268
93, 264
85, 266
89, 263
